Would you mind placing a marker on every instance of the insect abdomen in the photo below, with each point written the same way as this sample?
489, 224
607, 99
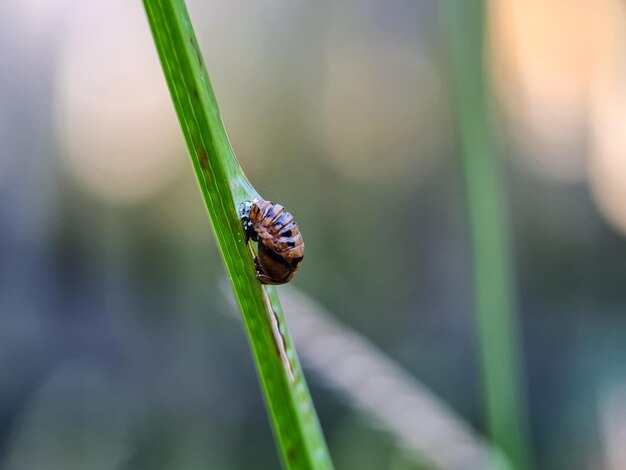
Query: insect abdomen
276, 229
280, 245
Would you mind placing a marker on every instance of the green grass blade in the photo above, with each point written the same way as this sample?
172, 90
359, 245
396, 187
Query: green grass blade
496, 315
224, 187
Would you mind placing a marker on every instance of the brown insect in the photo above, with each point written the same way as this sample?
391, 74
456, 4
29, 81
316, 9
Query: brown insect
280, 244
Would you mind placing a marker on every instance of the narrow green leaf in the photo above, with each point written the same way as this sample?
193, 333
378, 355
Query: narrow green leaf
496, 315
224, 186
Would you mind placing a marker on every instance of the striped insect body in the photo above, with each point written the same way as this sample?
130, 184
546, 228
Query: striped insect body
280, 245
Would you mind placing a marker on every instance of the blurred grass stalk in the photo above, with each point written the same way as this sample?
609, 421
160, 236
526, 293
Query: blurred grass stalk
431, 434
496, 315
224, 186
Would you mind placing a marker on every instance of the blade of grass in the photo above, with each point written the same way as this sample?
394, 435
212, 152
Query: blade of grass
224, 186
496, 315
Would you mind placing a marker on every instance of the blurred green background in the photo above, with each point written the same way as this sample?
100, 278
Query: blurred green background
119, 345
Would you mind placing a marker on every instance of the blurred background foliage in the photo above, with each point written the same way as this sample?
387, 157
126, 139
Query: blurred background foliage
116, 347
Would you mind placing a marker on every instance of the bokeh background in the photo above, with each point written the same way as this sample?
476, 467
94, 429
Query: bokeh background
119, 345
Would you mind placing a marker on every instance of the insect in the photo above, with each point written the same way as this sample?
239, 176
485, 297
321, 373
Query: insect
280, 244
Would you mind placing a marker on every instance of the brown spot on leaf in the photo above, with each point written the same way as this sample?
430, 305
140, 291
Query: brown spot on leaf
203, 159
291, 454
195, 93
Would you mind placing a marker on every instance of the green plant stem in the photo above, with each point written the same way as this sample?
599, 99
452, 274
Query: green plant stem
497, 320
224, 186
